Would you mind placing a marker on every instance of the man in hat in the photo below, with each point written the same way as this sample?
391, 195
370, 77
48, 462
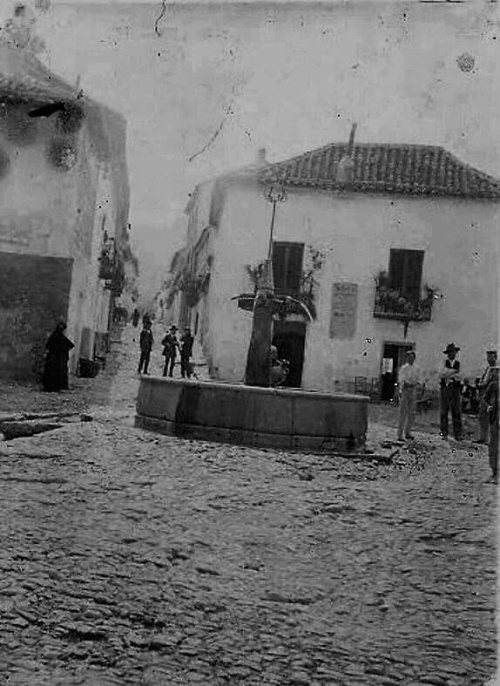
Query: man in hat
146, 344
483, 420
170, 345
451, 385
187, 341
491, 400
408, 381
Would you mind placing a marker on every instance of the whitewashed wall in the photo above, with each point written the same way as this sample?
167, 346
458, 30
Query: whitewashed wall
357, 232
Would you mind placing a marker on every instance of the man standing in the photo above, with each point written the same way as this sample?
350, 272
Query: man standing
408, 380
491, 401
450, 384
146, 344
483, 419
170, 345
186, 352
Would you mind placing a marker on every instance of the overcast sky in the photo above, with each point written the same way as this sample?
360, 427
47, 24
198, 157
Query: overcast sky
288, 78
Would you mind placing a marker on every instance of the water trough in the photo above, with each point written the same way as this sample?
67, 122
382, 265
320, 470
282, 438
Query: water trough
253, 416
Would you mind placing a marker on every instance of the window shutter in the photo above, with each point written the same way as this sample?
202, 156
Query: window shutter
294, 267
287, 267
413, 274
279, 262
396, 269
405, 272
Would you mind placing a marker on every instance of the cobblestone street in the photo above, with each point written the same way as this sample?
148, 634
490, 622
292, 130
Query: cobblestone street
134, 558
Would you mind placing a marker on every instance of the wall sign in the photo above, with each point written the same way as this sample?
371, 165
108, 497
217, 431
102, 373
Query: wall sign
344, 310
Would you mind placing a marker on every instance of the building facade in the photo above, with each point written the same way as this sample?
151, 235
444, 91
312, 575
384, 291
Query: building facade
63, 215
388, 246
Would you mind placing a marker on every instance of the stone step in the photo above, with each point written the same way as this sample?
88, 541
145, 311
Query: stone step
20, 429
29, 424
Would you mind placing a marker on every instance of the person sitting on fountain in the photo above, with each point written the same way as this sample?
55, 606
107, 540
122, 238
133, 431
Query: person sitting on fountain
279, 368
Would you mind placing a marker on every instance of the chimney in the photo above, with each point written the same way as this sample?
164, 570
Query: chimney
345, 167
350, 146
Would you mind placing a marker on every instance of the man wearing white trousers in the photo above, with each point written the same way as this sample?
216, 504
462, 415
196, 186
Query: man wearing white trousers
408, 381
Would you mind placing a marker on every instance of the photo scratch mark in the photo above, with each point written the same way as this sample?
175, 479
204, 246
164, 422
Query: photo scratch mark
160, 17
211, 140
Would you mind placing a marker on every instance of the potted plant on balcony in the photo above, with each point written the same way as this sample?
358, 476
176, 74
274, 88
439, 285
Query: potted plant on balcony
392, 304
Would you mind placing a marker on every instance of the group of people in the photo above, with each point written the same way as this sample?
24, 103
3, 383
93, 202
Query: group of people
451, 390
171, 345
58, 346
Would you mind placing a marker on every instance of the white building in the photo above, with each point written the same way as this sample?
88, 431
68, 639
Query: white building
399, 221
64, 201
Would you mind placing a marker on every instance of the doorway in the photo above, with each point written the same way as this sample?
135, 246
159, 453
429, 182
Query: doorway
290, 337
392, 359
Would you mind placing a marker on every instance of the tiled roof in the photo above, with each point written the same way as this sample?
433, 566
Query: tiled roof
387, 168
23, 78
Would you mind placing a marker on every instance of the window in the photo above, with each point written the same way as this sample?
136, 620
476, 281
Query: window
287, 267
405, 272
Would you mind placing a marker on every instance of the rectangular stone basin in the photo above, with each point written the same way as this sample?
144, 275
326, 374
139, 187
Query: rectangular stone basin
260, 417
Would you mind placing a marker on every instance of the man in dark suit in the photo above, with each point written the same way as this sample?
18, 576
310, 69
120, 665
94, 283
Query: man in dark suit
186, 352
170, 345
451, 389
146, 344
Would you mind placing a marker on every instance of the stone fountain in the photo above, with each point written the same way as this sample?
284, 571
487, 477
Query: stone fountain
252, 413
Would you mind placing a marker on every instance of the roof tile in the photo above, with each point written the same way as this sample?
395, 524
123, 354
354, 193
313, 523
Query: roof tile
23, 78
387, 168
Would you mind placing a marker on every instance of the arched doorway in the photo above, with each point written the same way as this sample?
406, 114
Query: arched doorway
289, 337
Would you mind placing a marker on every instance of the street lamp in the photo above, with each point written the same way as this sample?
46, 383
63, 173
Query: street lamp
275, 194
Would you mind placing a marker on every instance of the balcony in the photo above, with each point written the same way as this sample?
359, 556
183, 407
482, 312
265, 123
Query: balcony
391, 304
106, 267
113, 274
115, 284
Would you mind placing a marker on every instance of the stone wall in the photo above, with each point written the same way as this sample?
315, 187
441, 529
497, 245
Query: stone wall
34, 293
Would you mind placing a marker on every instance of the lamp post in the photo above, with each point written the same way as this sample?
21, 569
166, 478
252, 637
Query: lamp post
258, 357
275, 194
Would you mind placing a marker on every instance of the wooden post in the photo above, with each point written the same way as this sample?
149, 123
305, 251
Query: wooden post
258, 367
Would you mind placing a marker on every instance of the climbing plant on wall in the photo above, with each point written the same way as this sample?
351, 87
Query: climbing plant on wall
308, 284
70, 119
62, 153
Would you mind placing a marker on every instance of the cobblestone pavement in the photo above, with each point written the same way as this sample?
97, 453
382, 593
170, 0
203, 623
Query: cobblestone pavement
134, 558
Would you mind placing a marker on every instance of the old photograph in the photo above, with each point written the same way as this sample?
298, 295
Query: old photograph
249, 328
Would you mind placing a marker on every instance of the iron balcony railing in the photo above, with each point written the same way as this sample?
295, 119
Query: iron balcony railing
390, 303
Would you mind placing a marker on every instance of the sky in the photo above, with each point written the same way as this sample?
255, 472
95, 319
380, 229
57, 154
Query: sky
285, 77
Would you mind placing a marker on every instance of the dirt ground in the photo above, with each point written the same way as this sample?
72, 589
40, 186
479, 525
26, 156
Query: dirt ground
134, 558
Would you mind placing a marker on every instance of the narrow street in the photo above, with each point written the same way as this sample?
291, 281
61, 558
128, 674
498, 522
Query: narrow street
134, 558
